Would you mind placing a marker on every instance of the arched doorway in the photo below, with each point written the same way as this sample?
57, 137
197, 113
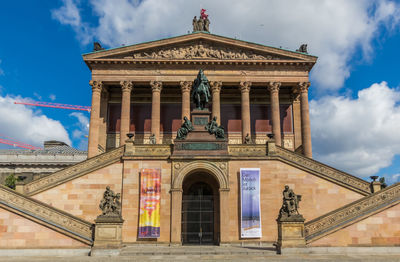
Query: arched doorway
200, 210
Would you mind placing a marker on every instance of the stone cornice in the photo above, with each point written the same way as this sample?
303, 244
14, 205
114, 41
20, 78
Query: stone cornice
351, 213
51, 217
150, 62
73, 172
199, 37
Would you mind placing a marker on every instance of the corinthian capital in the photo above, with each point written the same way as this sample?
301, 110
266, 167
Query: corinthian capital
303, 87
156, 86
126, 86
274, 87
96, 85
186, 86
245, 86
216, 86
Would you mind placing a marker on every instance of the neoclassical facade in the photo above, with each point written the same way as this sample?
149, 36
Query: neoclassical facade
145, 89
140, 96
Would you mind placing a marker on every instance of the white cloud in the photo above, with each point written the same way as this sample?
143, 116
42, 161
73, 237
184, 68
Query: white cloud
69, 14
26, 125
332, 29
52, 97
82, 131
359, 135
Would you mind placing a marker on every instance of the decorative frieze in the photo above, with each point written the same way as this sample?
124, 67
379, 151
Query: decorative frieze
252, 150
204, 51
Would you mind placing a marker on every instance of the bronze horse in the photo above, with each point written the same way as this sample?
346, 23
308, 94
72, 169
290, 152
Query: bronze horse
201, 90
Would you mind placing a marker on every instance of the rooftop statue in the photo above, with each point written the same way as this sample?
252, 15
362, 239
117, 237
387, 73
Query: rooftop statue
201, 24
302, 49
97, 46
201, 90
186, 127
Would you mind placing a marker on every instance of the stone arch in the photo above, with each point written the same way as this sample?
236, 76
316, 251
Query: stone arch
220, 174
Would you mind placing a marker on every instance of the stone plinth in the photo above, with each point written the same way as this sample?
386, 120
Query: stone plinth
199, 141
200, 118
290, 232
108, 232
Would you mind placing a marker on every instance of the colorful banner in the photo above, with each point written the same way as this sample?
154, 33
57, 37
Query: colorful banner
150, 196
250, 203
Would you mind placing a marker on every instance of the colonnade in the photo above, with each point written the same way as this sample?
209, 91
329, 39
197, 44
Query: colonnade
186, 86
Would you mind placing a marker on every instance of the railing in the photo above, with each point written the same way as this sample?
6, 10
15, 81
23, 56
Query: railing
65, 223
74, 171
352, 212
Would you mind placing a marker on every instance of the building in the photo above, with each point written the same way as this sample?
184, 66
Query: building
30, 164
213, 185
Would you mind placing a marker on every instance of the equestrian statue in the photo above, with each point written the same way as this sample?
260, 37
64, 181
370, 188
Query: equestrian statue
201, 91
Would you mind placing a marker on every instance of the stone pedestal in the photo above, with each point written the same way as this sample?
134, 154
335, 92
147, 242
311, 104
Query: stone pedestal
199, 142
108, 232
290, 232
200, 118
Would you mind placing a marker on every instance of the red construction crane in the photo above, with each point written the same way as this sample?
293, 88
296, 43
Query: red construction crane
18, 144
54, 105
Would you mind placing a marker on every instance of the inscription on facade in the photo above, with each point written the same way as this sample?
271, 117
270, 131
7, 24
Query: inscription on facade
200, 121
202, 146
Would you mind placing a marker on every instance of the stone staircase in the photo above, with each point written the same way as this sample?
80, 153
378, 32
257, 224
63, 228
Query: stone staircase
324, 171
351, 213
193, 251
73, 172
51, 217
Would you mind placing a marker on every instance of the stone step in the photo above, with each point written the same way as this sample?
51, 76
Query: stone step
196, 250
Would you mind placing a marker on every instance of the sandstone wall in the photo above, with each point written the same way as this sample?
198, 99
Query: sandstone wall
19, 232
319, 196
130, 201
81, 196
381, 229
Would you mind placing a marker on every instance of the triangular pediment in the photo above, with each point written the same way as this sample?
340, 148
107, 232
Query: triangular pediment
199, 46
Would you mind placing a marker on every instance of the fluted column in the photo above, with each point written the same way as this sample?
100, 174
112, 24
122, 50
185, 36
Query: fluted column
273, 88
305, 119
245, 90
126, 87
156, 87
94, 125
186, 87
216, 105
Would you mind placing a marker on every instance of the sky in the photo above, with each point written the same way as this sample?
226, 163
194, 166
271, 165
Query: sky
355, 88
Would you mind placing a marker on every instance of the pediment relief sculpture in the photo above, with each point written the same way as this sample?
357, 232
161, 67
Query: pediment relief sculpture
205, 51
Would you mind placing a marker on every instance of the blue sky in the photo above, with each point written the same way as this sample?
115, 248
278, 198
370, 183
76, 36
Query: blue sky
357, 43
